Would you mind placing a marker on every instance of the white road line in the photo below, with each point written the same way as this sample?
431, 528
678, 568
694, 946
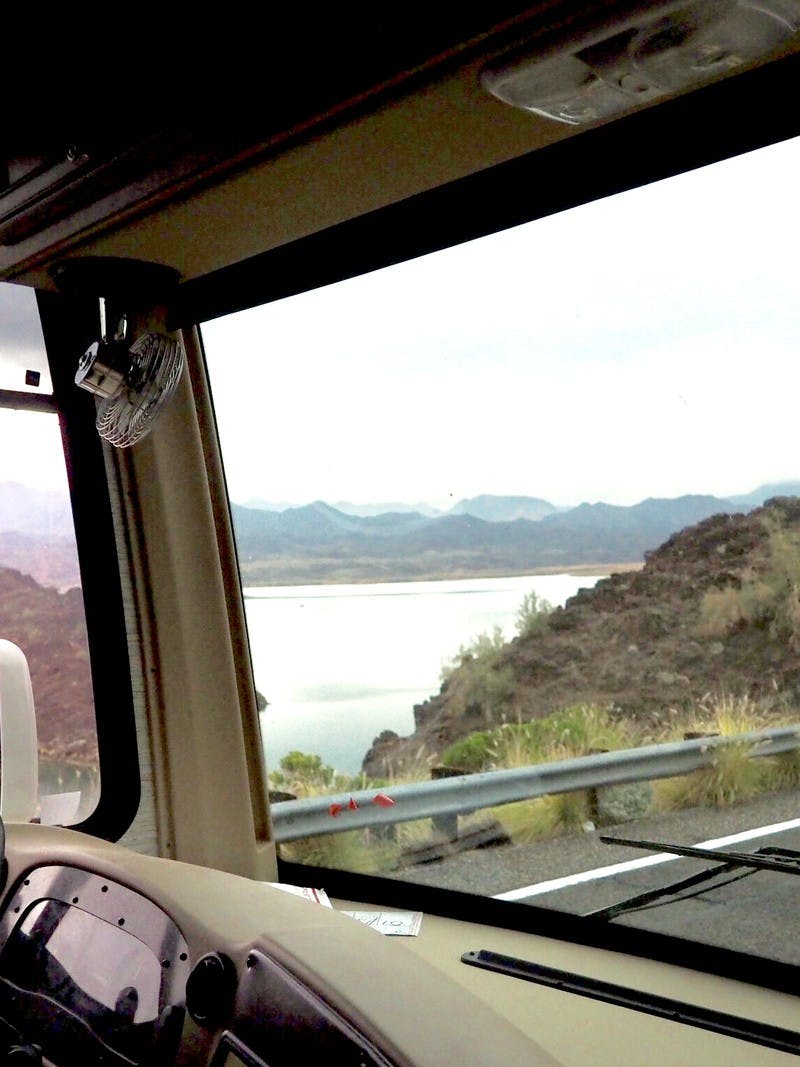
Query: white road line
645, 861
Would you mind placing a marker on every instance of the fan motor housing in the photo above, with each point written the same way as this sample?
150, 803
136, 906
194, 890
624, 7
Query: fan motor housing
103, 366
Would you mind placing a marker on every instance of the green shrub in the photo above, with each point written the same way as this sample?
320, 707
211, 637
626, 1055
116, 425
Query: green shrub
477, 683
533, 614
784, 579
482, 649
720, 612
573, 731
351, 850
583, 728
733, 777
783, 771
305, 775
471, 753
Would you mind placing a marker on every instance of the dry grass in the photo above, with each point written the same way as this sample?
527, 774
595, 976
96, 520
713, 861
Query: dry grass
734, 777
348, 851
528, 821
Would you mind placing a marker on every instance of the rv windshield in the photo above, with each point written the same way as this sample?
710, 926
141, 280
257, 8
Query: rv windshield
519, 537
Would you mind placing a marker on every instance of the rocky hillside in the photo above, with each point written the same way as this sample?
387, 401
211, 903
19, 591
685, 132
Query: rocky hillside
51, 561
49, 627
715, 609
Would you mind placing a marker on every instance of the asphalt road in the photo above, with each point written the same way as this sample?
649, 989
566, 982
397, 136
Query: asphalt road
752, 912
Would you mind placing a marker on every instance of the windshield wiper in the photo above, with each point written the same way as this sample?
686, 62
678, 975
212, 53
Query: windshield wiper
725, 862
761, 860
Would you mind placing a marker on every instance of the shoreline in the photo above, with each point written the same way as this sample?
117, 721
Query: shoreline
577, 570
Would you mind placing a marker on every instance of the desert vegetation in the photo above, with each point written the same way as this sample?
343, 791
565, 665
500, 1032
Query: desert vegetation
580, 730
766, 595
477, 681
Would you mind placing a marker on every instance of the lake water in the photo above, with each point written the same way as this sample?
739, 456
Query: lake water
340, 663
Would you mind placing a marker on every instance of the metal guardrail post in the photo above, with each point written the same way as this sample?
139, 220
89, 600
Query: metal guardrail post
446, 825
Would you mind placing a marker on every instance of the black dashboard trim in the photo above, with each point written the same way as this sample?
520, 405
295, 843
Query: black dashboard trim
546, 922
44, 898
280, 1020
678, 1011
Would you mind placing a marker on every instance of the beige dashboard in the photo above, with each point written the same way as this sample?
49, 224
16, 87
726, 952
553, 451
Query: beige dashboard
391, 1005
395, 1000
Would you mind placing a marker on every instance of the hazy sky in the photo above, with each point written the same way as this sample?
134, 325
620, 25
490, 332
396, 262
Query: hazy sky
643, 346
21, 343
646, 345
30, 443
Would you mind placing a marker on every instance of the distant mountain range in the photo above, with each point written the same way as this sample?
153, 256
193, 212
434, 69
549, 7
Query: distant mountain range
44, 512
381, 542
505, 508
483, 535
393, 508
508, 508
766, 492
37, 535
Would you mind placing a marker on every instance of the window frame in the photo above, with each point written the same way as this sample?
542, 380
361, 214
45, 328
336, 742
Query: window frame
68, 327
723, 120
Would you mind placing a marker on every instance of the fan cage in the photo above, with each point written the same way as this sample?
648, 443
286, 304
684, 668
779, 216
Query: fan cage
154, 374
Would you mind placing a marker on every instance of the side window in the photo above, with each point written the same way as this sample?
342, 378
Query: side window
41, 605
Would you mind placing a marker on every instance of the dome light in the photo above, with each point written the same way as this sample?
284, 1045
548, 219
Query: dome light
672, 47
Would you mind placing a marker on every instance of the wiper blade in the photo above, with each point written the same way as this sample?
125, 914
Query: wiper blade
654, 898
759, 860
724, 862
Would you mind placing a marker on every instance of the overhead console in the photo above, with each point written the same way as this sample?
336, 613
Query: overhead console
93, 161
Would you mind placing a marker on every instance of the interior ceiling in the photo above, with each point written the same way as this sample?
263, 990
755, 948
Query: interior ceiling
320, 121
141, 136
239, 77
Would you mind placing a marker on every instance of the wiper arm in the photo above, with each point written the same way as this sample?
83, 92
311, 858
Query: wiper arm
758, 860
653, 898
725, 861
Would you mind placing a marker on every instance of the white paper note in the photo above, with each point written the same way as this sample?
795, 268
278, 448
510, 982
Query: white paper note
399, 923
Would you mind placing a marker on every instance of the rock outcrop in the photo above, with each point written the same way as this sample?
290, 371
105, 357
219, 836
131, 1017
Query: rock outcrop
642, 643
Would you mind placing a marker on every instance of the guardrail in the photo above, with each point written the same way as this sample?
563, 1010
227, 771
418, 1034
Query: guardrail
293, 819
